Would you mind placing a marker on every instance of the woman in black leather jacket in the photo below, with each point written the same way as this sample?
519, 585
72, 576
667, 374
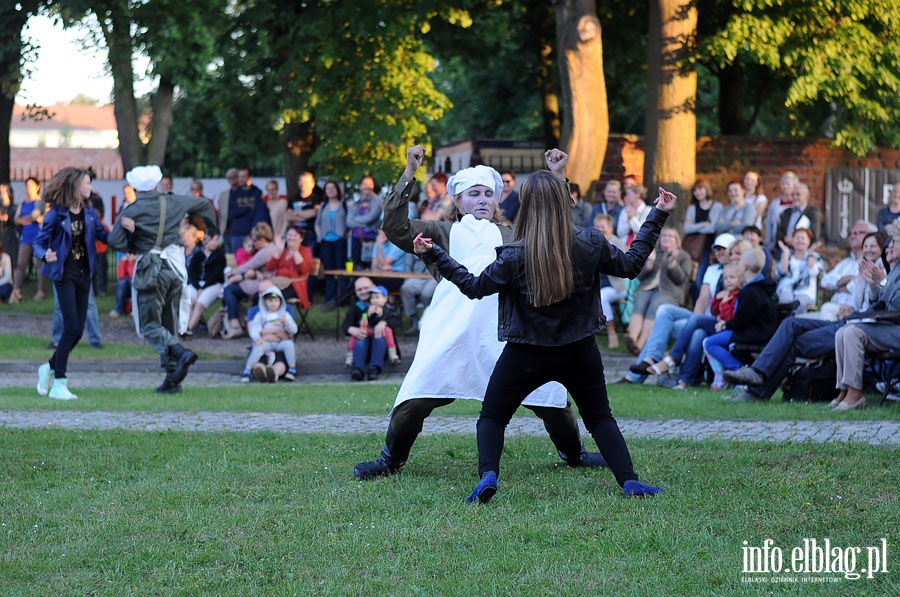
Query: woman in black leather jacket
548, 282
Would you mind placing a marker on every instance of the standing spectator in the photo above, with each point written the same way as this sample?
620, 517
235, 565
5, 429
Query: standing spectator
223, 201
29, 217
581, 210
101, 275
245, 209
440, 204
610, 203
65, 244
509, 199
700, 219
165, 184
197, 191
889, 212
6, 274
145, 230
9, 234
305, 207
277, 206
737, 215
788, 181
124, 274
331, 229
363, 217
753, 195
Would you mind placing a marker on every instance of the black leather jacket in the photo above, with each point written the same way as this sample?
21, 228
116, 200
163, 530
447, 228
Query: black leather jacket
569, 320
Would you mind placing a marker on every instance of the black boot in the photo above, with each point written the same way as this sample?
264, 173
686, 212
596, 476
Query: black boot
183, 358
584, 458
168, 386
393, 457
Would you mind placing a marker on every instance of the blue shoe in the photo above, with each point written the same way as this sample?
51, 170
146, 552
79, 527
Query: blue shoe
638, 489
485, 489
586, 459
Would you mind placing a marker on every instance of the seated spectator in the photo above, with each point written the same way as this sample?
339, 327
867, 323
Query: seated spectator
438, 203
289, 270
612, 289
271, 329
388, 257
855, 339
889, 212
753, 195
243, 281
190, 240
797, 272
841, 275
124, 275
376, 309
581, 210
664, 279
700, 219
368, 353
805, 337
609, 202
753, 322
206, 278
6, 275
414, 291
247, 250
800, 215
737, 215
753, 235
633, 214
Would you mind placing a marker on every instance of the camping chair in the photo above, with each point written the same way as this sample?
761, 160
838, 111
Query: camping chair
301, 314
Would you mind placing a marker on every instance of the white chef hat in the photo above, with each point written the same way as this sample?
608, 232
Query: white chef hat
474, 176
144, 178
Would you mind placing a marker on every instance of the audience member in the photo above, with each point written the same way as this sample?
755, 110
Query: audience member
581, 210
387, 257
331, 230
414, 291
612, 289
6, 274
223, 201
205, 279
165, 184
773, 214
753, 195
633, 213
841, 275
245, 209
9, 234
124, 275
290, 269
509, 199
375, 310
800, 215
738, 214
29, 218
243, 280
610, 203
277, 206
664, 279
797, 272
440, 204
271, 329
305, 207
889, 212
363, 217
247, 250
700, 220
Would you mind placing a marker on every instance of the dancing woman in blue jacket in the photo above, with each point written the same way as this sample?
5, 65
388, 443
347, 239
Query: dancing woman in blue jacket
66, 247
548, 282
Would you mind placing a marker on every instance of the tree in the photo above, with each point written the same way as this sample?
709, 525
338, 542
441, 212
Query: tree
13, 49
841, 61
585, 125
670, 142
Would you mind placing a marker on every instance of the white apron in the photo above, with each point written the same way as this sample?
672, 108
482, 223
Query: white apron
174, 256
458, 344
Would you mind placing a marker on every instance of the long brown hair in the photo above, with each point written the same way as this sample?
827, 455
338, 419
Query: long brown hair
60, 191
546, 227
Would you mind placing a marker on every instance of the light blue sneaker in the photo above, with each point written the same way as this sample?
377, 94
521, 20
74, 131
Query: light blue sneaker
60, 390
45, 379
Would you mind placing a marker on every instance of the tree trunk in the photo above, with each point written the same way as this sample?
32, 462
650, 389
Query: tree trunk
14, 18
731, 101
299, 143
116, 26
671, 136
6, 111
163, 104
585, 126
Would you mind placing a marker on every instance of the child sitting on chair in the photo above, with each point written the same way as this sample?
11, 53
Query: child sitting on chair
376, 310
271, 329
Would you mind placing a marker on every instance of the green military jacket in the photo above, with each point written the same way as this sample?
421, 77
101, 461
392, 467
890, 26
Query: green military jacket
145, 212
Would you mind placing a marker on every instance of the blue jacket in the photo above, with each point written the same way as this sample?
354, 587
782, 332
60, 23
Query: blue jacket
569, 320
56, 234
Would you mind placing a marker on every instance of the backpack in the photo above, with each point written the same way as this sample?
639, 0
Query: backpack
812, 381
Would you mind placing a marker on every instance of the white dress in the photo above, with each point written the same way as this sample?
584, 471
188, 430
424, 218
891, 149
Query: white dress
458, 345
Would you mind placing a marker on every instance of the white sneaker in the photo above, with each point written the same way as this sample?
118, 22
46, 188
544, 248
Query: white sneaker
45, 379
348, 361
60, 390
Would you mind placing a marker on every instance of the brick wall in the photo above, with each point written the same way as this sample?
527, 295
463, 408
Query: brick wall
722, 159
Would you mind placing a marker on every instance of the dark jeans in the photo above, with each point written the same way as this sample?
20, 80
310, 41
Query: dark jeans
333, 256
73, 302
232, 297
369, 353
521, 369
689, 346
123, 294
5, 291
795, 336
101, 265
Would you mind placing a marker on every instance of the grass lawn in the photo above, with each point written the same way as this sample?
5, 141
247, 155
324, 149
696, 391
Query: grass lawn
263, 513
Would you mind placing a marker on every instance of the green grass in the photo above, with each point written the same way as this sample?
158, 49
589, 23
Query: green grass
34, 348
377, 399
263, 513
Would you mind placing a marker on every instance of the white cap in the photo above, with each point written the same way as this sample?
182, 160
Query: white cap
724, 240
144, 178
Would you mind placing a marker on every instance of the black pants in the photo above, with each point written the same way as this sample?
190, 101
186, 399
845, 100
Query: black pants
521, 369
73, 303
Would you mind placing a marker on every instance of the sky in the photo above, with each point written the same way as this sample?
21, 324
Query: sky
63, 68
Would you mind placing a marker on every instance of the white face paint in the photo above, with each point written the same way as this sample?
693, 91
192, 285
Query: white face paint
478, 201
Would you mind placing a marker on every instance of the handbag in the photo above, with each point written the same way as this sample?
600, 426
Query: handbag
694, 245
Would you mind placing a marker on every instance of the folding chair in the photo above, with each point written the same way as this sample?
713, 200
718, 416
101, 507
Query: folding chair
887, 368
301, 314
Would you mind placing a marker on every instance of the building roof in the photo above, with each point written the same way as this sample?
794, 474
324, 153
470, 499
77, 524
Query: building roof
73, 116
